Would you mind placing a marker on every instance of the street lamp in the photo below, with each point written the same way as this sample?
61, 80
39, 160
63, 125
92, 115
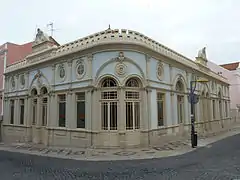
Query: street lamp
193, 98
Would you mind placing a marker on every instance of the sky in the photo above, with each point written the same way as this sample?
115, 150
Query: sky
182, 25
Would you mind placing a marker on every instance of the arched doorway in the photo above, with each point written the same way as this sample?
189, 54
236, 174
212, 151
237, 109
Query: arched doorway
132, 98
109, 102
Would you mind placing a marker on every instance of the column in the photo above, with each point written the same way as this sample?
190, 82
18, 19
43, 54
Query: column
48, 110
6, 108
25, 111
153, 104
121, 111
29, 111
187, 115
53, 121
174, 108
69, 110
88, 110
38, 120
144, 124
168, 109
95, 116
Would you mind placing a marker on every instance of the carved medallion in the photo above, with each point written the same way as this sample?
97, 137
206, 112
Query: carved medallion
159, 71
13, 82
120, 69
80, 69
22, 80
61, 71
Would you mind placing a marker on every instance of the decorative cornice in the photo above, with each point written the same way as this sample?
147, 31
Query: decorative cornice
115, 36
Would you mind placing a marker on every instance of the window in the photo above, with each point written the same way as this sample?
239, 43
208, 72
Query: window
109, 99
80, 110
213, 109
160, 108
34, 111
180, 108
44, 111
21, 111
62, 110
132, 104
226, 108
11, 111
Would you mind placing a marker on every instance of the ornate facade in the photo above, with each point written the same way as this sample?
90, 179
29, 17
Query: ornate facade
115, 88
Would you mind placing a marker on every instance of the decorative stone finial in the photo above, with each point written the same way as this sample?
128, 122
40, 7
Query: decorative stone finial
202, 53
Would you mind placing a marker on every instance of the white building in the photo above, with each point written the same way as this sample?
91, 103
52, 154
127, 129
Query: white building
115, 88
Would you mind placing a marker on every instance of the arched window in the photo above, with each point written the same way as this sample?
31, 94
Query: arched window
109, 102
180, 101
179, 86
132, 82
44, 105
132, 100
109, 82
34, 105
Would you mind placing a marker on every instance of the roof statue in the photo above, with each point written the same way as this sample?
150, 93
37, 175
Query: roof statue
40, 36
202, 53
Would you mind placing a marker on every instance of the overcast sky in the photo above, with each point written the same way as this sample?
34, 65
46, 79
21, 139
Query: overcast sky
182, 25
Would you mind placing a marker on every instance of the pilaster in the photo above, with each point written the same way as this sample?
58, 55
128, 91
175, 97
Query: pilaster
168, 109
53, 74
121, 115
38, 120
69, 71
89, 65
148, 68
29, 112
88, 110
25, 111
69, 110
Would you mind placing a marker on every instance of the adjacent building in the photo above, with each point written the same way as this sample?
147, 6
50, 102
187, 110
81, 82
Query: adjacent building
114, 88
230, 71
9, 54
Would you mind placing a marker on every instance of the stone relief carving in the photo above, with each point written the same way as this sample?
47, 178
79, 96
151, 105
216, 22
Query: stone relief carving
38, 77
120, 68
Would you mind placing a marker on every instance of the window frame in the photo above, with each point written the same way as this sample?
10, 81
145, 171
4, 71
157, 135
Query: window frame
163, 101
76, 108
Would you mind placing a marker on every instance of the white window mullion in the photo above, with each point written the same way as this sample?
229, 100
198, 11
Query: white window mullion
133, 112
108, 115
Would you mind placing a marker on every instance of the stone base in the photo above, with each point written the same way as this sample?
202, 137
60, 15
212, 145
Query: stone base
105, 139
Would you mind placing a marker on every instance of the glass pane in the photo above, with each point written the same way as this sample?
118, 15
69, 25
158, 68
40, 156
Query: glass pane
113, 115
12, 114
62, 114
137, 115
22, 114
160, 113
104, 116
129, 115
81, 114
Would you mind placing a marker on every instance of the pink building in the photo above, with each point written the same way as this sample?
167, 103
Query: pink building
232, 73
9, 54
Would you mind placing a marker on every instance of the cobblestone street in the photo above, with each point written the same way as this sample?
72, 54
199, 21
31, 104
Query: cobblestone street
218, 161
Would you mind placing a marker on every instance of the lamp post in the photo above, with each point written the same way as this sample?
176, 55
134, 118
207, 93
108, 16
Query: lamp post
193, 98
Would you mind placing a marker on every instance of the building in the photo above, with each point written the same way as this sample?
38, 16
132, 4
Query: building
115, 88
230, 71
9, 54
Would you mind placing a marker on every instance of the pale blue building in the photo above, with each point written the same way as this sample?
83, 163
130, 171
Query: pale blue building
115, 88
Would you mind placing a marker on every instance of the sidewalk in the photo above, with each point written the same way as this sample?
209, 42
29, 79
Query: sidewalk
173, 148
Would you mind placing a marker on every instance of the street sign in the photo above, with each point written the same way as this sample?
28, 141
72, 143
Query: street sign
193, 98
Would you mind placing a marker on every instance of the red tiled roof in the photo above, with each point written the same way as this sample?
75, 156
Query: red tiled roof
17, 52
230, 66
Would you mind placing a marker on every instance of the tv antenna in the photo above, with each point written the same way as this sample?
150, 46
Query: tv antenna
52, 29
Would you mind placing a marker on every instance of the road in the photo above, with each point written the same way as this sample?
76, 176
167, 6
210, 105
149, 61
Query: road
221, 161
